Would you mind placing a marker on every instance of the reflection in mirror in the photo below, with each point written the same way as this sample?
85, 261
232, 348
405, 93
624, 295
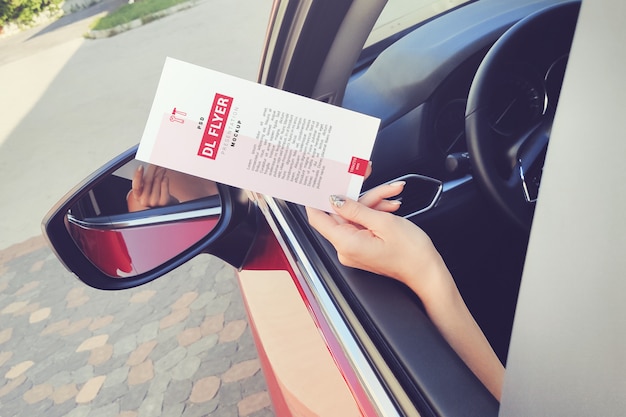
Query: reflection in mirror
141, 216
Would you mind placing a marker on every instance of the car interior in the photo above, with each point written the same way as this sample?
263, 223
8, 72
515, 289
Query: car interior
422, 86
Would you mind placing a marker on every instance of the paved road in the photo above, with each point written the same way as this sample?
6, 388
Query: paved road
179, 346
68, 105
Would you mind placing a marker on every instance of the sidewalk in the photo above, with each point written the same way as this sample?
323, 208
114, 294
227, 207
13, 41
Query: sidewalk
179, 346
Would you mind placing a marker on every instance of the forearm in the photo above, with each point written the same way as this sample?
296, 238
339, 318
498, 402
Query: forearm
449, 313
389, 245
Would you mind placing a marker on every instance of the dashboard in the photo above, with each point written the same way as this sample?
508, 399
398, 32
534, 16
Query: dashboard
419, 87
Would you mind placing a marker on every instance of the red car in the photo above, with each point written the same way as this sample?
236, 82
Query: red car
467, 95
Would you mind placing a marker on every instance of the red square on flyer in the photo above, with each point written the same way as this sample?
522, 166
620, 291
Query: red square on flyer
358, 166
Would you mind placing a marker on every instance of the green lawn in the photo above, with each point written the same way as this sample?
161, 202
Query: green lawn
141, 9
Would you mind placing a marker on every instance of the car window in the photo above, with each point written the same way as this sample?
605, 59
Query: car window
399, 15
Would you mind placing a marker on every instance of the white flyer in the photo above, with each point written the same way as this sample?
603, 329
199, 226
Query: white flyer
251, 136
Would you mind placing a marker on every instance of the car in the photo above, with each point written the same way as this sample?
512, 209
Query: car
467, 95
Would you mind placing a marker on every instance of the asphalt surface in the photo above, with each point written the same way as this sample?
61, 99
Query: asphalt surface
179, 346
69, 104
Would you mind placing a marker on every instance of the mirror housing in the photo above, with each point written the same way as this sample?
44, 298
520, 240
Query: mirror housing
93, 247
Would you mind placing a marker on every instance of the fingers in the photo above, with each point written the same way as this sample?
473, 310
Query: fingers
150, 187
368, 170
324, 222
137, 182
148, 197
377, 198
321, 221
344, 236
349, 209
156, 195
353, 215
164, 196
333, 227
359, 215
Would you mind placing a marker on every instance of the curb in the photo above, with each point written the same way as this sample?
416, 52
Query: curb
107, 33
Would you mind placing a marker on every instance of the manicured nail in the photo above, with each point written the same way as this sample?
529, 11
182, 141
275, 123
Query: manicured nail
337, 201
395, 202
398, 183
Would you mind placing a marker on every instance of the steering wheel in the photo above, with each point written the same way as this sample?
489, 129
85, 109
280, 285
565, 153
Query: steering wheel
511, 106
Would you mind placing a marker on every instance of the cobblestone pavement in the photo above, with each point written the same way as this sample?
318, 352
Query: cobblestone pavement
178, 346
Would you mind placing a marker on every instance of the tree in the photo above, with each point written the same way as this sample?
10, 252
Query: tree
23, 12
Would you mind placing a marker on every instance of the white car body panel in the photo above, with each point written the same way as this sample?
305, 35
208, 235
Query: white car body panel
567, 355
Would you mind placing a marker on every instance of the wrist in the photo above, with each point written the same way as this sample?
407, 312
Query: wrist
430, 279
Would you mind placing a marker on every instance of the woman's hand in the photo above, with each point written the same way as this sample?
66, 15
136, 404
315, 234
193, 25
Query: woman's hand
150, 190
368, 236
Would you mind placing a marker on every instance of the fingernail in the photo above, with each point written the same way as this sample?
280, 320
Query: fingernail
337, 201
395, 202
398, 183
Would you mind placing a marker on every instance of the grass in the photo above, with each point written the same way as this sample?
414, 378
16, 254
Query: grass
142, 9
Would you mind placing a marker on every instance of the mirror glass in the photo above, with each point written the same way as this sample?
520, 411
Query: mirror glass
141, 216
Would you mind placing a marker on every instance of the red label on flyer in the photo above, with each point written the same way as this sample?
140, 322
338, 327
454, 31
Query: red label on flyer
358, 166
215, 126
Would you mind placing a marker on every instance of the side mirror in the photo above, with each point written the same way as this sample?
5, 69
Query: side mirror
98, 235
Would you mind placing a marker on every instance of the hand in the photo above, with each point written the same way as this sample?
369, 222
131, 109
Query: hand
150, 190
368, 236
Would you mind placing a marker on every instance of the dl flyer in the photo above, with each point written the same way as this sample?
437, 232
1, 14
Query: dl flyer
251, 136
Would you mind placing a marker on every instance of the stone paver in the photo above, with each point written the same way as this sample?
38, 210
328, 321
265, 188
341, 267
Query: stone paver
100, 355
64, 393
39, 315
6, 335
89, 391
5, 356
140, 354
93, 343
204, 389
253, 403
241, 370
18, 369
141, 373
232, 331
38, 393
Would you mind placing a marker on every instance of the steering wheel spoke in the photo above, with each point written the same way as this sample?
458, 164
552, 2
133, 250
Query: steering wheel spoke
530, 158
